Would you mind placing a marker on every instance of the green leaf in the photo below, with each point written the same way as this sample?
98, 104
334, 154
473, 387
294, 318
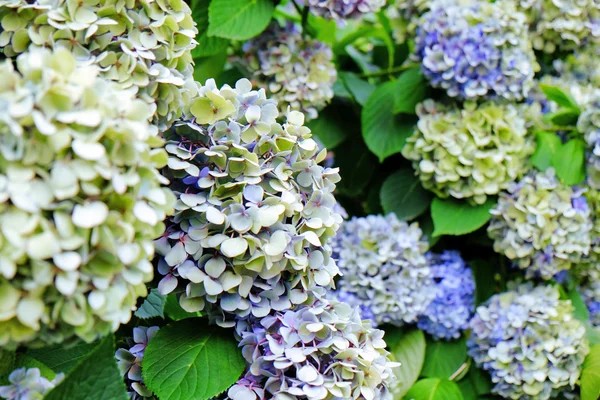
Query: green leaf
426, 225
434, 389
152, 306
569, 162
358, 88
452, 217
96, 377
23, 360
590, 375
7, 365
475, 385
557, 95
444, 358
173, 310
410, 90
592, 333
61, 358
238, 19
409, 351
207, 45
330, 128
209, 67
356, 166
581, 312
485, 286
563, 117
187, 360
325, 29
384, 133
548, 144
403, 194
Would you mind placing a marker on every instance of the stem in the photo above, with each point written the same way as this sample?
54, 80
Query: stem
283, 14
305, 18
458, 371
389, 70
297, 7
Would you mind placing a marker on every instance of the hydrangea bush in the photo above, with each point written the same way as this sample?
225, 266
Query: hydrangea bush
143, 45
254, 208
299, 200
469, 153
296, 71
80, 200
476, 50
543, 226
382, 262
529, 341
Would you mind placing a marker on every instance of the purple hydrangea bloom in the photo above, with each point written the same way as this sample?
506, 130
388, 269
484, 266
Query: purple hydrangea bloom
344, 9
321, 351
28, 384
449, 312
354, 301
476, 50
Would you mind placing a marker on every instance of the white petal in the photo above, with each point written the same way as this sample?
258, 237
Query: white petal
90, 214
234, 247
68, 261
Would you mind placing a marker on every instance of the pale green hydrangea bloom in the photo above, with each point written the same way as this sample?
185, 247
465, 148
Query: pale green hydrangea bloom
80, 200
404, 16
255, 208
469, 153
562, 24
542, 225
141, 44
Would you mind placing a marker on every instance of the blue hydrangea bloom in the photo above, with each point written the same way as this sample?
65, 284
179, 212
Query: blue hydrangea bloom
354, 301
449, 312
476, 50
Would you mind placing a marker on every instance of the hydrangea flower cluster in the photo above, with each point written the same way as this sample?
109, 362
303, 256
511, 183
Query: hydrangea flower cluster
581, 65
451, 309
254, 208
563, 25
589, 125
28, 384
469, 153
298, 72
144, 45
382, 261
542, 225
344, 9
321, 351
529, 341
476, 50
130, 362
80, 200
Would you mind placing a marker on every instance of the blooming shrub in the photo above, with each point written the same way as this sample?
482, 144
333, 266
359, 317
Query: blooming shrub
139, 44
322, 351
382, 262
344, 9
469, 153
476, 50
297, 72
542, 225
549, 363
254, 210
80, 200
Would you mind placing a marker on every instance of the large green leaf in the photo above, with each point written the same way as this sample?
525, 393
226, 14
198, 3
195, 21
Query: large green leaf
23, 360
174, 311
358, 88
385, 133
188, 360
95, 377
7, 364
330, 128
475, 384
238, 19
207, 45
452, 217
209, 67
434, 389
548, 143
483, 273
409, 351
356, 166
590, 375
152, 306
569, 162
559, 96
403, 194
411, 89
581, 311
444, 358
60, 358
